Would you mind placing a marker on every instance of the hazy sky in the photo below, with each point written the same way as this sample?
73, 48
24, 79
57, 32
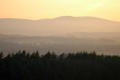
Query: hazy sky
37, 9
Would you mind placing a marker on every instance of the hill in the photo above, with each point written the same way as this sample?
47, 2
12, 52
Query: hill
64, 25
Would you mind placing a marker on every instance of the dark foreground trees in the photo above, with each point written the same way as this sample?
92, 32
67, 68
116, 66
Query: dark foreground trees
79, 66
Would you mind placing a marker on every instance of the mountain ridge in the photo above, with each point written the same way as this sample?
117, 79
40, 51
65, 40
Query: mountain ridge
61, 17
57, 26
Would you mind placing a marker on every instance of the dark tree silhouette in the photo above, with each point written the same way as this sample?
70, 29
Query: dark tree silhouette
73, 66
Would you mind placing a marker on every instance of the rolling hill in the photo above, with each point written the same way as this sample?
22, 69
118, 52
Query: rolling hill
65, 25
61, 34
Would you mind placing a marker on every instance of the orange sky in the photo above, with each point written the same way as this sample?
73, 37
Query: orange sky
37, 9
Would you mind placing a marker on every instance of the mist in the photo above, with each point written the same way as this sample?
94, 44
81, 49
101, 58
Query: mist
61, 34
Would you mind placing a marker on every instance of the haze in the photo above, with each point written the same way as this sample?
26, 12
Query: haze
60, 25
60, 39
61, 34
40, 9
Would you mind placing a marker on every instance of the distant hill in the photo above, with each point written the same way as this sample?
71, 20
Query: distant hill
57, 26
61, 34
106, 43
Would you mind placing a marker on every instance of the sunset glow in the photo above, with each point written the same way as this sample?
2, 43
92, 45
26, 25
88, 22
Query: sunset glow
38, 9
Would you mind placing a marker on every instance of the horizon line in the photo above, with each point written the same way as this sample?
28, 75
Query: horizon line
61, 17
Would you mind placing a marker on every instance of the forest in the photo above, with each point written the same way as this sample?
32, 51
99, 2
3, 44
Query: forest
84, 65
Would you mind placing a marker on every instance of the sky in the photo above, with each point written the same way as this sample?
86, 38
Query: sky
39, 9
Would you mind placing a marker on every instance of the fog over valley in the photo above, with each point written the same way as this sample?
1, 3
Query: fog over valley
62, 34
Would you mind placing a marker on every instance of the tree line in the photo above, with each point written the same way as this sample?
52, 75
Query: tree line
72, 66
